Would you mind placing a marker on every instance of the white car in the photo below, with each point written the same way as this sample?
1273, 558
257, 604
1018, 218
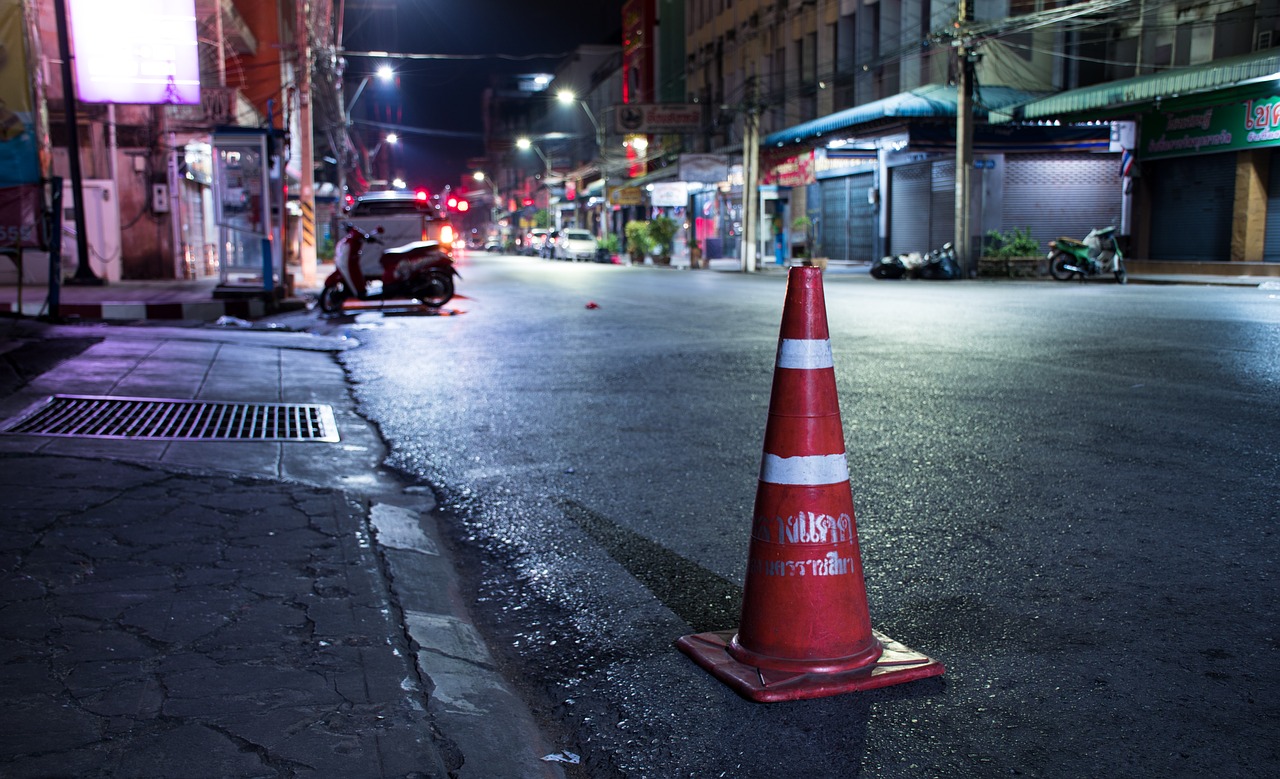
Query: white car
575, 244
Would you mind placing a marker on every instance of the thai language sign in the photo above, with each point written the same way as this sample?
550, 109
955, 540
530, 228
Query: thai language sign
1247, 124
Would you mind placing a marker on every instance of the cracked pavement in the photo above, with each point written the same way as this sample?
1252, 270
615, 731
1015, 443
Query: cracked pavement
150, 617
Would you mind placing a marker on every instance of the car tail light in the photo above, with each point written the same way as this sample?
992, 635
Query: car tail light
446, 235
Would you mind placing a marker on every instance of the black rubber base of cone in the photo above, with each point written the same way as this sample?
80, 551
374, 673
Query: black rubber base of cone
896, 665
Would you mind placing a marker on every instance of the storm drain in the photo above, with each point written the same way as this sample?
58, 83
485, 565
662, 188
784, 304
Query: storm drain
161, 419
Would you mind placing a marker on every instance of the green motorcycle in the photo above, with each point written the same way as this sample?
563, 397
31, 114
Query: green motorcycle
1097, 254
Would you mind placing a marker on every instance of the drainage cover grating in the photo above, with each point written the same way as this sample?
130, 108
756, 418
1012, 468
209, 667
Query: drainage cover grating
159, 419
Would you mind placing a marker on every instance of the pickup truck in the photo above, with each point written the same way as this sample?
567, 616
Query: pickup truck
404, 217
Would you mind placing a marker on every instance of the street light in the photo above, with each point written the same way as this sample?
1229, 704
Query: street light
524, 144
384, 74
480, 177
390, 138
567, 97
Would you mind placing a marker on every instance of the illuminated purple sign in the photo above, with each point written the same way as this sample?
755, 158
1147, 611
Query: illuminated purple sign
136, 51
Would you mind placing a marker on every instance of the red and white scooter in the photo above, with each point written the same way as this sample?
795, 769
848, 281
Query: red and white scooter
422, 270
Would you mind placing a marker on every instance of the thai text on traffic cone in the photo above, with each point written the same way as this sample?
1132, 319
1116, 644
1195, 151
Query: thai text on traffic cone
805, 630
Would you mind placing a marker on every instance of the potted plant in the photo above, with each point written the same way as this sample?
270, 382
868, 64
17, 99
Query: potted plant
662, 235
800, 235
802, 228
1011, 253
637, 241
609, 248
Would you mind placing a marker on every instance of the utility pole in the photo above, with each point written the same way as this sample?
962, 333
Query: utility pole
306, 172
750, 175
964, 138
84, 274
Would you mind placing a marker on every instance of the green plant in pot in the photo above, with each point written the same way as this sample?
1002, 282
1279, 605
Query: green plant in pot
803, 226
637, 241
662, 234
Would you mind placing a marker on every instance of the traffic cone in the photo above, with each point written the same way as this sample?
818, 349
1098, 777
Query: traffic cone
805, 630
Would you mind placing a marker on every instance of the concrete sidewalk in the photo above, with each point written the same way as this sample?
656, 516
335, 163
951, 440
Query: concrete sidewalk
236, 608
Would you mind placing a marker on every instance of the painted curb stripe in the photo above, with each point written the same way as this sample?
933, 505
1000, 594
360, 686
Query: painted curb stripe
813, 470
805, 354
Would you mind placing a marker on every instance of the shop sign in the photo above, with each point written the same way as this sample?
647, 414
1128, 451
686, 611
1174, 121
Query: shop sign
670, 194
797, 171
651, 118
626, 196
136, 51
1247, 124
704, 168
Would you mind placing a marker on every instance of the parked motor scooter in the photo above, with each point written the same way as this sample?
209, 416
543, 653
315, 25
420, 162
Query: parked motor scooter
940, 264
421, 270
897, 266
1097, 254
937, 264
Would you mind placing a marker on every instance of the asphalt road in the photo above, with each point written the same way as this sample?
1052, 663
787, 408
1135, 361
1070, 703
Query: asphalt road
1067, 493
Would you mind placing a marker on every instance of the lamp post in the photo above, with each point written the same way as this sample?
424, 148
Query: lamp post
567, 97
385, 74
524, 144
389, 138
481, 178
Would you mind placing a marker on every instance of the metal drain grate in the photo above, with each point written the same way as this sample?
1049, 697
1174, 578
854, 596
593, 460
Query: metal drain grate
161, 419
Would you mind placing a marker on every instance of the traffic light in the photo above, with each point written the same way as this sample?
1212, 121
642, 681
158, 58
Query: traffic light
420, 195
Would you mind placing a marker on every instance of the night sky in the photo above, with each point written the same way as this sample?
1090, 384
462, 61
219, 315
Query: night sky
441, 98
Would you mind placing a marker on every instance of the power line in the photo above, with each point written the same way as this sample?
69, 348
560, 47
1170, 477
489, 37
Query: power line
465, 57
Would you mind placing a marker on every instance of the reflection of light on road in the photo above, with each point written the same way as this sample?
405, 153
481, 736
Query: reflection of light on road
1253, 356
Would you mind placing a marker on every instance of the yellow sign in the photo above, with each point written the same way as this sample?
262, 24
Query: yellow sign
19, 160
626, 196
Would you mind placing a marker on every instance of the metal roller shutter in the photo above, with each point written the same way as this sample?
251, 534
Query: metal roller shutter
1191, 202
909, 199
862, 219
835, 212
942, 197
848, 219
1271, 248
1061, 194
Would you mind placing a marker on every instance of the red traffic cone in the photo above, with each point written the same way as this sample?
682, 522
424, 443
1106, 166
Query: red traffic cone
805, 630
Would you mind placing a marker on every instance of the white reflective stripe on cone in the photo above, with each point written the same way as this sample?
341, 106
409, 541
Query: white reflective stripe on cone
810, 471
805, 354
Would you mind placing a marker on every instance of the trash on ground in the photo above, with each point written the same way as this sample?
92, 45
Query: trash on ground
562, 757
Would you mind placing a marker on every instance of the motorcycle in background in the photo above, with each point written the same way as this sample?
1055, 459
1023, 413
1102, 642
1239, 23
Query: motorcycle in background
937, 264
1097, 254
421, 270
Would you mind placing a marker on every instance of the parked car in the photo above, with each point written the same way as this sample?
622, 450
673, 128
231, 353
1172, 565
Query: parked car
404, 217
575, 244
534, 242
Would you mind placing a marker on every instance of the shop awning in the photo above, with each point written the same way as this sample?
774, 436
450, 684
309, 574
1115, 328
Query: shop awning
932, 101
1119, 98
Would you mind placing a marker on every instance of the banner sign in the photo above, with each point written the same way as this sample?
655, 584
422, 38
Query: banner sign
20, 209
136, 51
626, 196
19, 147
795, 171
704, 168
1247, 124
669, 193
657, 118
